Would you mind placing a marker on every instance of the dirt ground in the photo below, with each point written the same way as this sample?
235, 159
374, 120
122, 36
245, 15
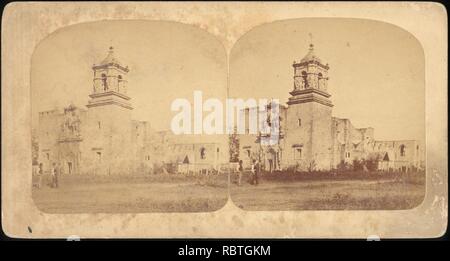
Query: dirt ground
168, 193
132, 194
346, 194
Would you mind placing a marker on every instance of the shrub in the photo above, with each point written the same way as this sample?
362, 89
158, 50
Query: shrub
312, 166
371, 164
343, 166
358, 165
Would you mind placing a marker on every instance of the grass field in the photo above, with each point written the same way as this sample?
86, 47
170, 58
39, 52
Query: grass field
323, 191
176, 193
132, 194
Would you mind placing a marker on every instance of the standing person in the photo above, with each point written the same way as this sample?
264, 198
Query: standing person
271, 168
240, 172
40, 174
253, 170
257, 170
55, 173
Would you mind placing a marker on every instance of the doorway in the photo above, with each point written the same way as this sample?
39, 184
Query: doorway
69, 166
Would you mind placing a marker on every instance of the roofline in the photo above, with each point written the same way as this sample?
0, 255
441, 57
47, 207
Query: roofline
106, 65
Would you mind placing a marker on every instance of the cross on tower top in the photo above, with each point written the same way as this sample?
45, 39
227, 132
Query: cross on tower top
310, 40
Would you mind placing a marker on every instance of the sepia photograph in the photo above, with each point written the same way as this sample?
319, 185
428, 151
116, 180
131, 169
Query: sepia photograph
101, 112
351, 116
122, 149
224, 120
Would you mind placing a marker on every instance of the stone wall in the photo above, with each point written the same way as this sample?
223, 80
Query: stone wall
308, 136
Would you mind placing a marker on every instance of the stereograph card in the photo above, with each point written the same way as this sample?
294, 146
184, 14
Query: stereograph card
224, 120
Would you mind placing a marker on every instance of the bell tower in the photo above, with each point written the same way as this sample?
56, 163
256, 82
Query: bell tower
108, 124
110, 84
308, 135
310, 80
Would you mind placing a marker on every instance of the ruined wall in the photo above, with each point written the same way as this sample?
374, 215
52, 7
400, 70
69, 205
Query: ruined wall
349, 143
202, 152
142, 149
48, 131
403, 154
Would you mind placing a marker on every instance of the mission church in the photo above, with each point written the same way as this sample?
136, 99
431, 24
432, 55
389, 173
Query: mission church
102, 138
311, 139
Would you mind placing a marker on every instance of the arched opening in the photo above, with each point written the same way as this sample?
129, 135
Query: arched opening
298, 153
305, 80
320, 81
99, 157
104, 82
402, 150
119, 82
202, 153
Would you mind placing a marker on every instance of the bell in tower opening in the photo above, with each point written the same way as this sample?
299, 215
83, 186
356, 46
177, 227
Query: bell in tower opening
310, 80
110, 75
110, 84
310, 72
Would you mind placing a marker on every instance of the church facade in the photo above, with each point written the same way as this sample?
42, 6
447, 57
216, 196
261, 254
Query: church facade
102, 138
311, 139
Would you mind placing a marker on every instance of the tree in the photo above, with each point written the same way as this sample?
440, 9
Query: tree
234, 147
34, 147
372, 164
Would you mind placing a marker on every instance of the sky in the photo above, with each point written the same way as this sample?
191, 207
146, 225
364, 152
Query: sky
166, 61
376, 75
376, 69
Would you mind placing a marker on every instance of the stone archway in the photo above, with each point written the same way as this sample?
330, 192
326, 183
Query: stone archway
70, 163
273, 159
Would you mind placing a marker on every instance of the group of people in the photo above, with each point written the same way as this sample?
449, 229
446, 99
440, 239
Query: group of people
254, 171
55, 171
